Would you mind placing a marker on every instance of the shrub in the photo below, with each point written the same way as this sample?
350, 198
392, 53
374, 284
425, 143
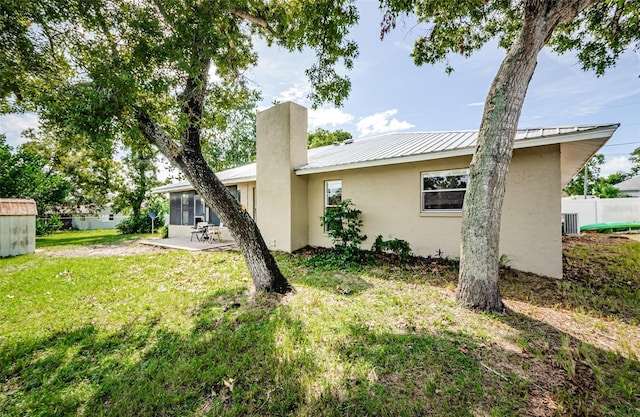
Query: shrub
344, 226
139, 224
46, 226
397, 246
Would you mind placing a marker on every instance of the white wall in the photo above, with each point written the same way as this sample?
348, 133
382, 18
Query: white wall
595, 210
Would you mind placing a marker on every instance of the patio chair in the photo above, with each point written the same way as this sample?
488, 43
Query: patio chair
214, 231
200, 232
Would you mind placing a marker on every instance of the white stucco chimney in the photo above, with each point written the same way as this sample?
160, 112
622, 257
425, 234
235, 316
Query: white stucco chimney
281, 202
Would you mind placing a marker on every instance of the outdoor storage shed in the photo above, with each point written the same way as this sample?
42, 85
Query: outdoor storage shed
17, 226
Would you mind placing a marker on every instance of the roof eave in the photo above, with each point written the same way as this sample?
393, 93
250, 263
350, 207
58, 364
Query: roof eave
602, 133
175, 188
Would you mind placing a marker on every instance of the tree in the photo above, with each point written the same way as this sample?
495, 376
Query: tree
596, 185
635, 159
142, 176
322, 137
576, 185
231, 140
598, 29
92, 170
155, 67
24, 174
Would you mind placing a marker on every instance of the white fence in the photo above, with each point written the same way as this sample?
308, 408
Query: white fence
91, 222
595, 210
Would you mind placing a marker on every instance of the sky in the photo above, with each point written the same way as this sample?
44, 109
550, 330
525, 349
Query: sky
390, 93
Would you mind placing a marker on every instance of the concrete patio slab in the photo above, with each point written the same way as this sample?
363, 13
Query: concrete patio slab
185, 243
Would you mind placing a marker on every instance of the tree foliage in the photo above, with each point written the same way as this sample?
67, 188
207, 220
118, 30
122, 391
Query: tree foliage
24, 174
323, 137
599, 34
231, 140
141, 172
635, 160
91, 170
596, 185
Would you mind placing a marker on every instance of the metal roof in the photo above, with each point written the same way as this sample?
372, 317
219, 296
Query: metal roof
632, 184
397, 148
407, 147
17, 207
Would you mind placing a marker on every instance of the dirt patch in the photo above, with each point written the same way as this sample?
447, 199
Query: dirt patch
598, 239
122, 249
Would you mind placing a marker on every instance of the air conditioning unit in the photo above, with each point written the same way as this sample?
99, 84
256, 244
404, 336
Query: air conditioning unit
570, 224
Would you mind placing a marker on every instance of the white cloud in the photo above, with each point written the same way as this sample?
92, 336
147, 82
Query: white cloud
476, 104
328, 117
13, 125
298, 93
619, 163
381, 123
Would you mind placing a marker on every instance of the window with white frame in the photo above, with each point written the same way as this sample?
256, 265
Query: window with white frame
443, 190
332, 193
332, 197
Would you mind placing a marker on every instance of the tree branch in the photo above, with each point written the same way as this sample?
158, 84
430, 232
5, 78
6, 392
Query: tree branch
253, 19
156, 135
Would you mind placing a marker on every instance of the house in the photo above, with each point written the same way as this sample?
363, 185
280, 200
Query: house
408, 185
630, 187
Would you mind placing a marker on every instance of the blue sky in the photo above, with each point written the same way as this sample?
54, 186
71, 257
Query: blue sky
389, 93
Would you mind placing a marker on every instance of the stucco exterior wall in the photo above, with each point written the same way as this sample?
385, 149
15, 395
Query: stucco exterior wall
281, 195
389, 198
531, 234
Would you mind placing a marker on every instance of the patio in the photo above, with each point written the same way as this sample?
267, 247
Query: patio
185, 243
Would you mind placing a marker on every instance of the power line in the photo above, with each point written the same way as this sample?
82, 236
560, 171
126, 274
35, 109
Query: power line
622, 144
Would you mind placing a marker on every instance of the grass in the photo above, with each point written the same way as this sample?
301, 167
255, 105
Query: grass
71, 239
180, 334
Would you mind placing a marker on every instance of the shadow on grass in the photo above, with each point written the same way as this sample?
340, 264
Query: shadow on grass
229, 364
599, 290
249, 357
83, 238
584, 379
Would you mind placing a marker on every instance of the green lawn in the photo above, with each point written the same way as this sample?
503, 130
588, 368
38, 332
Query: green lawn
180, 334
79, 238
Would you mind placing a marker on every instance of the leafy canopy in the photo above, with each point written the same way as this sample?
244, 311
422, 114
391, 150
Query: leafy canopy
600, 34
323, 137
24, 174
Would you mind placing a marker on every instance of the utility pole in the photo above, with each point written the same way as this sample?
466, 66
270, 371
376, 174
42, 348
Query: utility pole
585, 179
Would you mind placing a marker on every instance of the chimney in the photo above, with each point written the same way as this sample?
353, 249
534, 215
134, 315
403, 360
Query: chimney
281, 202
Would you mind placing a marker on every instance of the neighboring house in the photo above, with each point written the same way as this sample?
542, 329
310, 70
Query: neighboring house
88, 217
408, 185
103, 219
630, 187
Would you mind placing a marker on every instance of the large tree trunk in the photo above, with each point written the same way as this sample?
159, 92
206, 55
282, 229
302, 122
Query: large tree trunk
262, 266
482, 210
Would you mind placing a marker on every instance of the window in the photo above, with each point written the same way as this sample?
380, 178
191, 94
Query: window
233, 189
444, 190
332, 193
175, 206
111, 217
182, 207
187, 208
332, 197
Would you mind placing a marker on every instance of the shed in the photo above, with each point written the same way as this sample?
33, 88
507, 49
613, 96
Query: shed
17, 226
